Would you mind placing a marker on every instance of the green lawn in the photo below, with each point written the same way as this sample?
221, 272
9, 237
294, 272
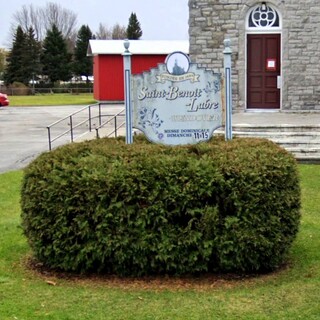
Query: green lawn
52, 99
292, 293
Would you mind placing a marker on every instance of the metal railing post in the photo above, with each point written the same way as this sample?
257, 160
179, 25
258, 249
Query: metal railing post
49, 137
90, 124
71, 129
115, 127
100, 114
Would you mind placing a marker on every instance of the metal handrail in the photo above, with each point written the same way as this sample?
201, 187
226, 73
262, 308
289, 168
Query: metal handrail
113, 117
71, 129
88, 120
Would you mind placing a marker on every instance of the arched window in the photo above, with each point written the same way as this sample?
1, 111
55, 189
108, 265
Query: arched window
263, 16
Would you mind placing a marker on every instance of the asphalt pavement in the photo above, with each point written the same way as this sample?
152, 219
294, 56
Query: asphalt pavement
23, 130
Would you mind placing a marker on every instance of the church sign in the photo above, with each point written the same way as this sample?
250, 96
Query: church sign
178, 102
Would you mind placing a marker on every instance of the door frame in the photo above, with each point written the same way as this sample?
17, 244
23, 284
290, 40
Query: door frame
272, 30
246, 72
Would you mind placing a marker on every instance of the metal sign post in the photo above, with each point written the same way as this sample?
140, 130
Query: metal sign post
127, 91
228, 88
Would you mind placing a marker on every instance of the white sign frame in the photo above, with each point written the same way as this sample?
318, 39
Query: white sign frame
177, 103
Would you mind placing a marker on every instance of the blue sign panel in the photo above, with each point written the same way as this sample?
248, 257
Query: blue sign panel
178, 102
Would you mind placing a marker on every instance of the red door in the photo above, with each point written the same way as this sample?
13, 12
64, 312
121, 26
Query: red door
263, 65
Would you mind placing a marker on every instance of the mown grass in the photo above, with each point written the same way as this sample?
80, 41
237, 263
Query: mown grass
291, 293
52, 99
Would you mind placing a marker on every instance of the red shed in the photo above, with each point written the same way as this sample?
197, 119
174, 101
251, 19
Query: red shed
108, 62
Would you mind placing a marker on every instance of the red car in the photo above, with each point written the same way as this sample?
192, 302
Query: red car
3, 100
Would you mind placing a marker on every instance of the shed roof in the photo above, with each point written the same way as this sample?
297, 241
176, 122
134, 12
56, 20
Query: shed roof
150, 47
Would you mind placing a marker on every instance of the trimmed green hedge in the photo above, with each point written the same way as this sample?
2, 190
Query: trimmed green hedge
141, 209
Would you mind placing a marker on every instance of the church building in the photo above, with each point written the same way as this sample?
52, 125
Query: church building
275, 50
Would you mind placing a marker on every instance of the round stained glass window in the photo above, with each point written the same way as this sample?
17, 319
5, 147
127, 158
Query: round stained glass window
263, 17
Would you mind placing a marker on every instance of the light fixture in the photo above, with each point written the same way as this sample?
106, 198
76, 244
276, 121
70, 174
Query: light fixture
263, 6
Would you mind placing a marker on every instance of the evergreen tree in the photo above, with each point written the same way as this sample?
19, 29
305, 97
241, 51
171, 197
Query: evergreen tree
134, 31
32, 55
82, 65
55, 59
15, 68
23, 59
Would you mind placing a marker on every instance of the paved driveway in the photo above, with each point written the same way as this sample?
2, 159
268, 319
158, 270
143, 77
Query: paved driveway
23, 132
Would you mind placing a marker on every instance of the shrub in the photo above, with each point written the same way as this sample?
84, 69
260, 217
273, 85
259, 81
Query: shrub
104, 206
18, 89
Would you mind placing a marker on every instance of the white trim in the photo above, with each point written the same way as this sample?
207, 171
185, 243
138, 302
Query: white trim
263, 29
149, 47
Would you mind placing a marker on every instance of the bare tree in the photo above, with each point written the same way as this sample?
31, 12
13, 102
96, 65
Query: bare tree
28, 17
41, 19
119, 32
103, 32
65, 20
106, 33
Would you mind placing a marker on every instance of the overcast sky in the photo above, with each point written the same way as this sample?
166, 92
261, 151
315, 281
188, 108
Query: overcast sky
159, 19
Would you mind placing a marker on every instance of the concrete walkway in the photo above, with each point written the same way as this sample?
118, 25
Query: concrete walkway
277, 118
23, 133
